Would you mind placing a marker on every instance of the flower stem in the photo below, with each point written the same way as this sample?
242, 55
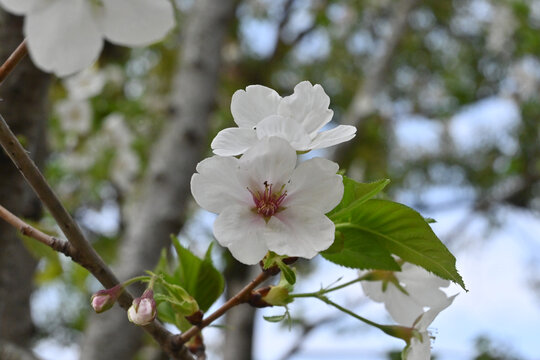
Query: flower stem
240, 298
326, 291
388, 329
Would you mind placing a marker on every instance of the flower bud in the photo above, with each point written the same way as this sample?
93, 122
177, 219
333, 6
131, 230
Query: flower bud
103, 300
143, 310
270, 296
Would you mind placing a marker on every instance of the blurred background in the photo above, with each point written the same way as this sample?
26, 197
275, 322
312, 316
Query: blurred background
444, 95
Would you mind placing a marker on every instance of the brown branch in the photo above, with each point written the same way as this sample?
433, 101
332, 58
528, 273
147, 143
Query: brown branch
13, 60
240, 298
30, 231
86, 255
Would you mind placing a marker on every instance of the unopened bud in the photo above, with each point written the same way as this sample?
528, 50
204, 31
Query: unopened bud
143, 310
270, 296
103, 300
256, 297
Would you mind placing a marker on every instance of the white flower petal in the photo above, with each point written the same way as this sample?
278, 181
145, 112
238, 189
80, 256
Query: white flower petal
284, 128
19, 7
308, 105
403, 308
241, 230
218, 184
233, 141
333, 136
254, 104
270, 159
137, 22
422, 285
427, 318
299, 231
374, 290
63, 37
314, 183
414, 275
419, 350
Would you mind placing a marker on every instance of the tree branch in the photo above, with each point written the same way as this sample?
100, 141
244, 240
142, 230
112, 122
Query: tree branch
13, 60
30, 231
86, 255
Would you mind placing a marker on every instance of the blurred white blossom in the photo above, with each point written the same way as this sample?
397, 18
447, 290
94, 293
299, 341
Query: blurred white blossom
523, 78
116, 131
85, 84
75, 115
501, 28
66, 36
124, 168
114, 74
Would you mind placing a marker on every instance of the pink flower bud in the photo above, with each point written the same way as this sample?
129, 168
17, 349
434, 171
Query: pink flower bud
103, 300
143, 310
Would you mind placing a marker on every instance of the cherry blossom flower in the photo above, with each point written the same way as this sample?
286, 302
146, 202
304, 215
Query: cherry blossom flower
265, 202
65, 36
406, 293
260, 112
419, 347
75, 115
85, 84
124, 168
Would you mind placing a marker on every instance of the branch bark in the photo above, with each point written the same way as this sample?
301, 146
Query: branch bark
161, 208
23, 96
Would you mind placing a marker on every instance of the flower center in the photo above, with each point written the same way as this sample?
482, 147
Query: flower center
267, 203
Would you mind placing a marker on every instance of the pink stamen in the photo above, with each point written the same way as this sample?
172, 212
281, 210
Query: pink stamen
267, 203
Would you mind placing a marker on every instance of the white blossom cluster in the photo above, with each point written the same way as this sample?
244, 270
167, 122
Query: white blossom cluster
265, 199
76, 116
66, 36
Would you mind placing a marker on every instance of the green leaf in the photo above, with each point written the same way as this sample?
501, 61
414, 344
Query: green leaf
275, 318
354, 195
197, 276
287, 272
403, 232
358, 252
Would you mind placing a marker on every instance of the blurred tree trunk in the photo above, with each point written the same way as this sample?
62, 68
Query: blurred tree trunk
24, 106
239, 320
161, 208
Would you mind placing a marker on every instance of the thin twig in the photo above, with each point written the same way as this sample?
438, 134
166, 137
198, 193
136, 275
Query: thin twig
13, 60
240, 298
86, 255
54, 243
